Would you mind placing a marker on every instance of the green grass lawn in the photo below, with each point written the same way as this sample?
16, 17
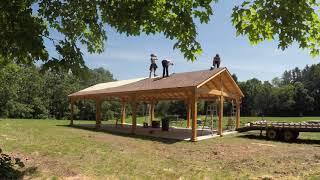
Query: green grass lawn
56, 151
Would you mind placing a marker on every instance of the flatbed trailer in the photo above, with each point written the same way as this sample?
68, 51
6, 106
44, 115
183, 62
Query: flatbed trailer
282, 130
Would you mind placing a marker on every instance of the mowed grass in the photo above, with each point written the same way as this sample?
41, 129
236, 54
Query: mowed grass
57, 151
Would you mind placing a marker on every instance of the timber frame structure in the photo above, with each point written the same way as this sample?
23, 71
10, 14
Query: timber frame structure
216, 84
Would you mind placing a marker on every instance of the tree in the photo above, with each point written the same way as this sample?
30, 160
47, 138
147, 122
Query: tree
303, 101
284, 97
9, 79
71, 24
287, 78
287, 21
264, 99
58, 85
26, 23
250, 89
276, 82
235, 78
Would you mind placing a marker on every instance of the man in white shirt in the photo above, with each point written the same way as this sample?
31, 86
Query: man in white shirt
153, 66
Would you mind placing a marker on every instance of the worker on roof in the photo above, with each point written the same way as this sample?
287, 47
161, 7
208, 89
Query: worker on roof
165, 64
153, 66
216, 62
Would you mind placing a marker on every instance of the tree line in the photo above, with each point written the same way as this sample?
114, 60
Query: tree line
296, 93
27, 91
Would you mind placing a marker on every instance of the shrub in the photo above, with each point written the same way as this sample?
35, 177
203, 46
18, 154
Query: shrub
10, 166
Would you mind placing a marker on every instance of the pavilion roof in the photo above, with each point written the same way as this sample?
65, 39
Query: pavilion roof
158, 87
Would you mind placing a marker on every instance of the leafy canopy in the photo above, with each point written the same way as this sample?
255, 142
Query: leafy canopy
286, 20
71, 24
26, 23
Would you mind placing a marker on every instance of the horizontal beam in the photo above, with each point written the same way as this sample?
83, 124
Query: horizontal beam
216, 93
151, 92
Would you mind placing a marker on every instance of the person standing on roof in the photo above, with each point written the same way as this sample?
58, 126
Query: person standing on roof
165, 64
153, 66
216, 61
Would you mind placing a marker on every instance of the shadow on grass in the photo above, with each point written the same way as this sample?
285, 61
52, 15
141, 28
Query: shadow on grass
13, 173
144, 137
28, 172
298, 141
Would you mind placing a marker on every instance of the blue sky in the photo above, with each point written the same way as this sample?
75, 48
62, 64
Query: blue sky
128, 57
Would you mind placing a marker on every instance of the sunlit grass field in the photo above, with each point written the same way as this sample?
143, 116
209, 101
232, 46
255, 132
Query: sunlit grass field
56, 151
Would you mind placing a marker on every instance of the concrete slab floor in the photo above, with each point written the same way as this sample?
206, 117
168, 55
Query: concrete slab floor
177, 133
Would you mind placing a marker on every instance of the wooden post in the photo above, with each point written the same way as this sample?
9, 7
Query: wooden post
134, 116
238, 113
151, 112
220, 116
123, 113
188, 113
221, 108
98, 113
194, 116
72, 111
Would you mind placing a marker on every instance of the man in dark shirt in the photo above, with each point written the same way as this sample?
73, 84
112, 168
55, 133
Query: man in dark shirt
165, 64
216, 61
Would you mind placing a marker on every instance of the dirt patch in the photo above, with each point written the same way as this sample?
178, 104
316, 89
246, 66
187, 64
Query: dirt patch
44, 164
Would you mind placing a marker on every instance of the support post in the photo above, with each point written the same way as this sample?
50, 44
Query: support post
71, 114
188, 113
98, 113
151, 112
134, 116
238, 113
194, 116
123, 113
220, 115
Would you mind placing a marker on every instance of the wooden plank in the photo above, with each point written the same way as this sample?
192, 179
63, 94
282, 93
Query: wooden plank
132, 93
238, 113
222, 82
210, 85
220, 116
194, 116
234, 83
206, 86
217, 93
219, 82
160, 99
221, 108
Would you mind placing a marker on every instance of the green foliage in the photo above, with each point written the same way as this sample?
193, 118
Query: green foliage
303, 101
70, 24
21, 32
27, 93
296, 93
287, 21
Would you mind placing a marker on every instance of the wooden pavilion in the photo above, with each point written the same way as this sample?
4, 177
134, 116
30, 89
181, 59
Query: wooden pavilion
189, 87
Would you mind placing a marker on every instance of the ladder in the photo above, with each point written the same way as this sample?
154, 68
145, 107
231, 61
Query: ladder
232, 119
211, 116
